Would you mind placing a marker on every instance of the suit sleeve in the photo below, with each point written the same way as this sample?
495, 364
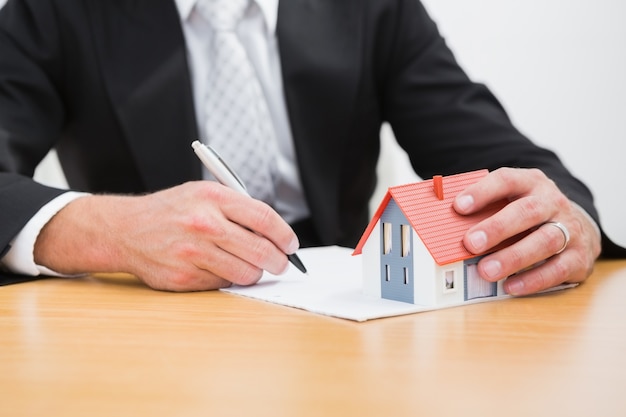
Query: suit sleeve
31, 112
449, 124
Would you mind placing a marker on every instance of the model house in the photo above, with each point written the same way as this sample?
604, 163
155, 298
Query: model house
413, 247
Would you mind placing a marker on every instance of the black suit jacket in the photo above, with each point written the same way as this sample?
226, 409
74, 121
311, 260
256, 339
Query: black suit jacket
107, 83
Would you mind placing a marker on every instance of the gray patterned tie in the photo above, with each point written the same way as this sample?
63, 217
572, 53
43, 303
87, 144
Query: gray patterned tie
237, 118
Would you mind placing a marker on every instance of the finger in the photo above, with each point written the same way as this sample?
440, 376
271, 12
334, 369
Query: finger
262, 219
501, 184
574, 264
200, 280
539, 245
244, 227
555, 271
174, 276
215, 248
232, 265
533, 200
512, 220
256, 250
564, 231
236, 253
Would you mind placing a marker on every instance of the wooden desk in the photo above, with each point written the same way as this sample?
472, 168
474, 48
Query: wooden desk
108, 346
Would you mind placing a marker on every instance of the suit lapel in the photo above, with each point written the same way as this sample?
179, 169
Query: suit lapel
144, 66
319, 43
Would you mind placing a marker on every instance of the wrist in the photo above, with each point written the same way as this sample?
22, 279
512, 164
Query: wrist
84, 236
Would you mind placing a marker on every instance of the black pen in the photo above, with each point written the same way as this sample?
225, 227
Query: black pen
226, 176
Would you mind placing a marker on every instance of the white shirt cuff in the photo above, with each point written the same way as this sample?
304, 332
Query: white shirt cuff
20, 257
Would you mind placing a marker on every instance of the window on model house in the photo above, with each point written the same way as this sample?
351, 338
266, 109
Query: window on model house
405, 232
387, 238
448, 283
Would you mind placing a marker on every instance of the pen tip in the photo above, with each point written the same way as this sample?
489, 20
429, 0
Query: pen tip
293, 258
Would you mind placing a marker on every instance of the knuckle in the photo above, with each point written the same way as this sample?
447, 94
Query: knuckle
180, 281
561, 270
536, 174
497, 227
515, 259
576, 228
581, 267
185, 250
209, 189
248, 276
506, 176
263, 216
542, 280
201, 224
531, 209
588, 270
563, 204
257, 251
551, 240
263, 255
544, 277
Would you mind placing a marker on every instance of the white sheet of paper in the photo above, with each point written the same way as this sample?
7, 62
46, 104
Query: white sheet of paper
333, 287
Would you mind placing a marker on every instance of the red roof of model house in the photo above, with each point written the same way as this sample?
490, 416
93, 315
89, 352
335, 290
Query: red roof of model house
428, 207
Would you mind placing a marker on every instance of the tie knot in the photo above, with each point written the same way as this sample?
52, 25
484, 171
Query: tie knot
222, 15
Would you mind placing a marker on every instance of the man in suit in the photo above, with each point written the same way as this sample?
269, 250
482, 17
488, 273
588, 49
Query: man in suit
114, 87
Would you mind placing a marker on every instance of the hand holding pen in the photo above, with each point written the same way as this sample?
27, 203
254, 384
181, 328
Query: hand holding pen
226, 176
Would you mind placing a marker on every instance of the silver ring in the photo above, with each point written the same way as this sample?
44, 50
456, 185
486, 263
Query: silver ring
565, 232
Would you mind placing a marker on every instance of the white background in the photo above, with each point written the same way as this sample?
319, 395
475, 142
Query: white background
558, 67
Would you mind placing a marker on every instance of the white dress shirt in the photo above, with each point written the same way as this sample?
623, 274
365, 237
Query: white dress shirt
257, 32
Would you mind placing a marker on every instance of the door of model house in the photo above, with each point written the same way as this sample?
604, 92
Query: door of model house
475, 286
396, 258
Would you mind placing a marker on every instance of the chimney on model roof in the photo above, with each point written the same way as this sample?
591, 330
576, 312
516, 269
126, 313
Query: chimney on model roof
438, 186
